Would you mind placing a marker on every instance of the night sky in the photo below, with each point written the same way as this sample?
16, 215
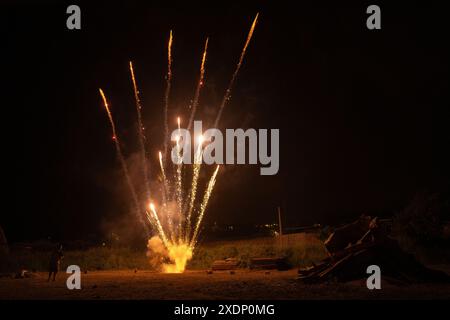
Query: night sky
361, 113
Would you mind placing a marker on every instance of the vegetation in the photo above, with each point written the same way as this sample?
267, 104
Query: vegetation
299, 253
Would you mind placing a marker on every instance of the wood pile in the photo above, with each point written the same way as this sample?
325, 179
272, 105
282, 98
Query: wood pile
354, 247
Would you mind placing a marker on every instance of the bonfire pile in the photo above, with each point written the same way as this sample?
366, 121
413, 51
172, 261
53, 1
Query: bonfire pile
355, 246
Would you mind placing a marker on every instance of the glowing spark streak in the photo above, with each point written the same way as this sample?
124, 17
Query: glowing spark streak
120, 156
208, 192
196, 174
161, 232
178, 189
226, 97
141, 130
199, 86
165, 191
166, 185
166, 99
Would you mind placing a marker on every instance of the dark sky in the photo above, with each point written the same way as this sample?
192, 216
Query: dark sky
361, 113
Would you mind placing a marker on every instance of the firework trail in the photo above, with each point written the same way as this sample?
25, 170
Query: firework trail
141, 131
179, 237
161, 232
164, 196
121, 158
196, 173
226, 97
199, 86
165, 182
208, 192
166, 97
178, 179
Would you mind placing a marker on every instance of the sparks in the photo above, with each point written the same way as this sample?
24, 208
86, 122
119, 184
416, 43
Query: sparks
161, 232
120, 156
177, 218
208, 192
141, 132
227, 95
167, 94
199, 86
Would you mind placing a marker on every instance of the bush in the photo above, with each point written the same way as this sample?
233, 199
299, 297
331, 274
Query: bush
98, 258
303, 251
298, 254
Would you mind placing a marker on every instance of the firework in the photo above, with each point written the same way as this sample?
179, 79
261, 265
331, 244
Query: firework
196, 173
141, 131
208, 192
178, 218
227, 95
199, 86
164, 197
178, 178
121, 158
160, 229
167, 94
163, 173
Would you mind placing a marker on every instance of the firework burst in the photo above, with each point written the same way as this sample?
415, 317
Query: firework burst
178, 217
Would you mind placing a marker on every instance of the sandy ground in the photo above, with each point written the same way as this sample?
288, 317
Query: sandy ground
243, 284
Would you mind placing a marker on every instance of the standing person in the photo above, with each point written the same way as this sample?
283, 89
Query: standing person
55, 260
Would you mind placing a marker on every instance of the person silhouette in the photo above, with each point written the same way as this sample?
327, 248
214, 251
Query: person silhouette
55, 260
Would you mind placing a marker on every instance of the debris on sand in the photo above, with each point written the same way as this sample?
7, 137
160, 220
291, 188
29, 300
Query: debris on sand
22, 274
277, 263
354, 247
227, 264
